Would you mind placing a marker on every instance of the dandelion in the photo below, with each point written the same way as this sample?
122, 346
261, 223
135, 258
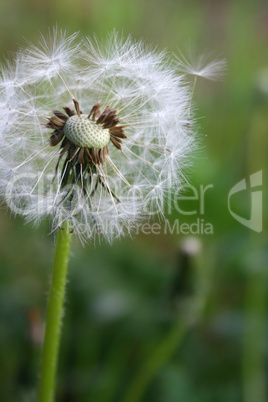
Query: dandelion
93, 136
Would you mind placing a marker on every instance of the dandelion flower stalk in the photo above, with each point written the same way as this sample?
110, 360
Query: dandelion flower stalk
93, 137
54, 314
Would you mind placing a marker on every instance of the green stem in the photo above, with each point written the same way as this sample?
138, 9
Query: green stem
173, 340
156, 361
54, 316
254, 338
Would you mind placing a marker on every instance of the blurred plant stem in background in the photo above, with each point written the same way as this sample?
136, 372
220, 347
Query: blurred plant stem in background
193, 292
160, 356
254, 360
54, 316
255, 313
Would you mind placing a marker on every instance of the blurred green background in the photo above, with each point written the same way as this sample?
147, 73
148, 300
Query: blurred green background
167, 317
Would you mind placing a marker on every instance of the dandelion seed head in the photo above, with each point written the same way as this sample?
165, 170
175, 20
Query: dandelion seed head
94, 133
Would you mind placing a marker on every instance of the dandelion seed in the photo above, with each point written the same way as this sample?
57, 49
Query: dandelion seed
201, 66
92, 133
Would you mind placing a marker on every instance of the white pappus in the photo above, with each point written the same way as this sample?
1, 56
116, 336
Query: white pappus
93, 133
